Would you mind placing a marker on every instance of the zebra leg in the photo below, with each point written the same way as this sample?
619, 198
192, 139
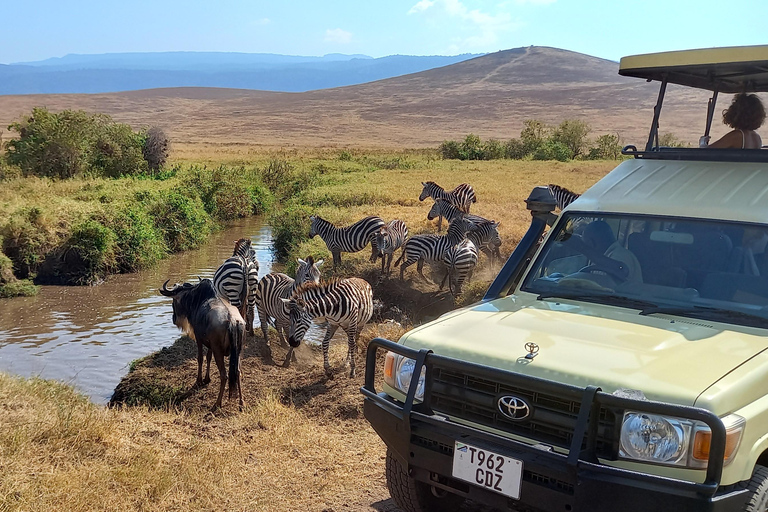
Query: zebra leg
264, 321
336, 259
352, 334
389, 263
439, 223
249, 319
405, 265
442, 283
420, 270
330, 331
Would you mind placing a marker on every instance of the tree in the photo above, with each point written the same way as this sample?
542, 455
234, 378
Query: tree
607, 147
670, 140
572, 133
533, 135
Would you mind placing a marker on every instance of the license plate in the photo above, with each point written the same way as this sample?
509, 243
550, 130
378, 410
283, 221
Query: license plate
487, 469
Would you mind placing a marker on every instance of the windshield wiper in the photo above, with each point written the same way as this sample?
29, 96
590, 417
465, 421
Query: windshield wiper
600, 298
706, 313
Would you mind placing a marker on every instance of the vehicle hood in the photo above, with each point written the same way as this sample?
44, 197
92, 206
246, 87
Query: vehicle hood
670, 359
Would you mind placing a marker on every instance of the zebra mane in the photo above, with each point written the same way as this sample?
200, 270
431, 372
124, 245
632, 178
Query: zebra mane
311, 285
563, 196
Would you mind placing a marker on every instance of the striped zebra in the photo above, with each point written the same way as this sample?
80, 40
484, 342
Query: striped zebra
238, 271
429, 248
352, 238
563, 196
388, 239
486, 238
461, 197
345, 303
276, 286
460, 262
443, 208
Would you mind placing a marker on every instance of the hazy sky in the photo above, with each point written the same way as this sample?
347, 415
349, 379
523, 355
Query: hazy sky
39, 29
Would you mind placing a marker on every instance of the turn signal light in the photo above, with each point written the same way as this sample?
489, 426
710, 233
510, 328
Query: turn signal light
702, 440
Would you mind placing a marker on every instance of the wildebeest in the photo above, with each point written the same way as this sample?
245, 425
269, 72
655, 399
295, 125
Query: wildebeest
214, 322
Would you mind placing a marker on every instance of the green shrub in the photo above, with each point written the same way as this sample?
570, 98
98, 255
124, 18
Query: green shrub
92, 245
471, 148
276, 174
290, 227
552, 150
181, 219
450, 150
139, 244
493, 149
117, 151
18, 288
514, 148
72, 143
229, 192
345, 156
27, 237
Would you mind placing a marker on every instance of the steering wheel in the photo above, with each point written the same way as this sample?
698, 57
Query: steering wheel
619, 273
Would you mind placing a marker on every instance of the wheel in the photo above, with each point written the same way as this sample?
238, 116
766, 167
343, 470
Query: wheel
413, 496
758, 487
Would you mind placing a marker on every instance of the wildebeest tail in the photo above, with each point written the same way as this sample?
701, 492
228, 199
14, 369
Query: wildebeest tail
235, 331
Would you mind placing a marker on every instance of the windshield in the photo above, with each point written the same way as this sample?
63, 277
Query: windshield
688, 267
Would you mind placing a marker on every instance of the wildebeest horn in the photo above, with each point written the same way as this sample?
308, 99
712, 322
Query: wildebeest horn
165, 291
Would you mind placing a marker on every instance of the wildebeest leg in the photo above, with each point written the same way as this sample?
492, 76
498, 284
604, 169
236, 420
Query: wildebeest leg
199, 381
207, 379
329, 332
222, 376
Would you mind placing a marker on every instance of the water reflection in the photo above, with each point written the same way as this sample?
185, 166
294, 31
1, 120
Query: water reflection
87, 336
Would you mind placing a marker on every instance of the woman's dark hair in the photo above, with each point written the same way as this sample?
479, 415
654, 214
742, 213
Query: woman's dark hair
745, 113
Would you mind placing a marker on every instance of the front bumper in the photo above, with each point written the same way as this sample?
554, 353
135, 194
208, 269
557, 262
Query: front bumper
423, 442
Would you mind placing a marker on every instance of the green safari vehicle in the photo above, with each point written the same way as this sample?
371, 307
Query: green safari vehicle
619, 364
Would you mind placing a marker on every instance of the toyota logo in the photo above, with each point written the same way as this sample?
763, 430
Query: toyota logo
514, 408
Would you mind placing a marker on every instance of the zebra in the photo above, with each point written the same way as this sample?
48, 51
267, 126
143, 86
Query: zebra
230, 278
388, 239
443, 208
352, 238
421, 248
563, 196
486, 238
460, 262
345, 303
276, 286
462, 196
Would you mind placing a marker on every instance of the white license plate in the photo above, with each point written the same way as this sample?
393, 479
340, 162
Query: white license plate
487, 469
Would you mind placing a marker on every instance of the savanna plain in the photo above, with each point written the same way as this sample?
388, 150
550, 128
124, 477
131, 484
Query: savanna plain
301, 442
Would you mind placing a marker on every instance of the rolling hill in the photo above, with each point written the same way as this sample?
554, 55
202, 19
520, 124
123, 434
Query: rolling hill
490, 96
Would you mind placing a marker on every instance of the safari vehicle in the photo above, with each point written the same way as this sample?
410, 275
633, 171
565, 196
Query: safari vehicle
620, 364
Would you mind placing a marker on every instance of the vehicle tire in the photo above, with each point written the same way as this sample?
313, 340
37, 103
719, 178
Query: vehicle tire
413, 496
758, 487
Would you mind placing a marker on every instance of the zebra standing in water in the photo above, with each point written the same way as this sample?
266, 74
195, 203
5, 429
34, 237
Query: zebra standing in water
352, 238
238, 271
461, 197
563, 196
421, 248
388, 239
276, 286
460, 262
345, 303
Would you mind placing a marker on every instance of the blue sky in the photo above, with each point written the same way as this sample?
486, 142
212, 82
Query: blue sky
39, 29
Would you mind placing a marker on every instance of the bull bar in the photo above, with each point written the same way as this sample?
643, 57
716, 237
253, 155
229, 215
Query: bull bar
423, 440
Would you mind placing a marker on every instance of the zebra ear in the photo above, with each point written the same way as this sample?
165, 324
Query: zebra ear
301, 261
423, 184
319, 262
285, 301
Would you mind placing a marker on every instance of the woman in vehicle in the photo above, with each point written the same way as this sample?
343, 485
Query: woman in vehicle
745, 115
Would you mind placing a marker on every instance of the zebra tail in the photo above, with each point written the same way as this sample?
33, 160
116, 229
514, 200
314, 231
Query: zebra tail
402, 254
235, 331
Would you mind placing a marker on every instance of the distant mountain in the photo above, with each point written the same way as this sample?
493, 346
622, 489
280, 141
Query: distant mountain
115, 72
490, 96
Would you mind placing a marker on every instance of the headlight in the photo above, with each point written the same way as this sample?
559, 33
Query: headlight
673, 441
398, 372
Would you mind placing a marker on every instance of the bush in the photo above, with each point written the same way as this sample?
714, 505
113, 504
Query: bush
155, 148
607, 147
450, 150
72, 143
552, 150
515, 149
572, 133
290, 227
181, 219
87, 256
471, 148
493, 150
139, 244
27, 237
229, 192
